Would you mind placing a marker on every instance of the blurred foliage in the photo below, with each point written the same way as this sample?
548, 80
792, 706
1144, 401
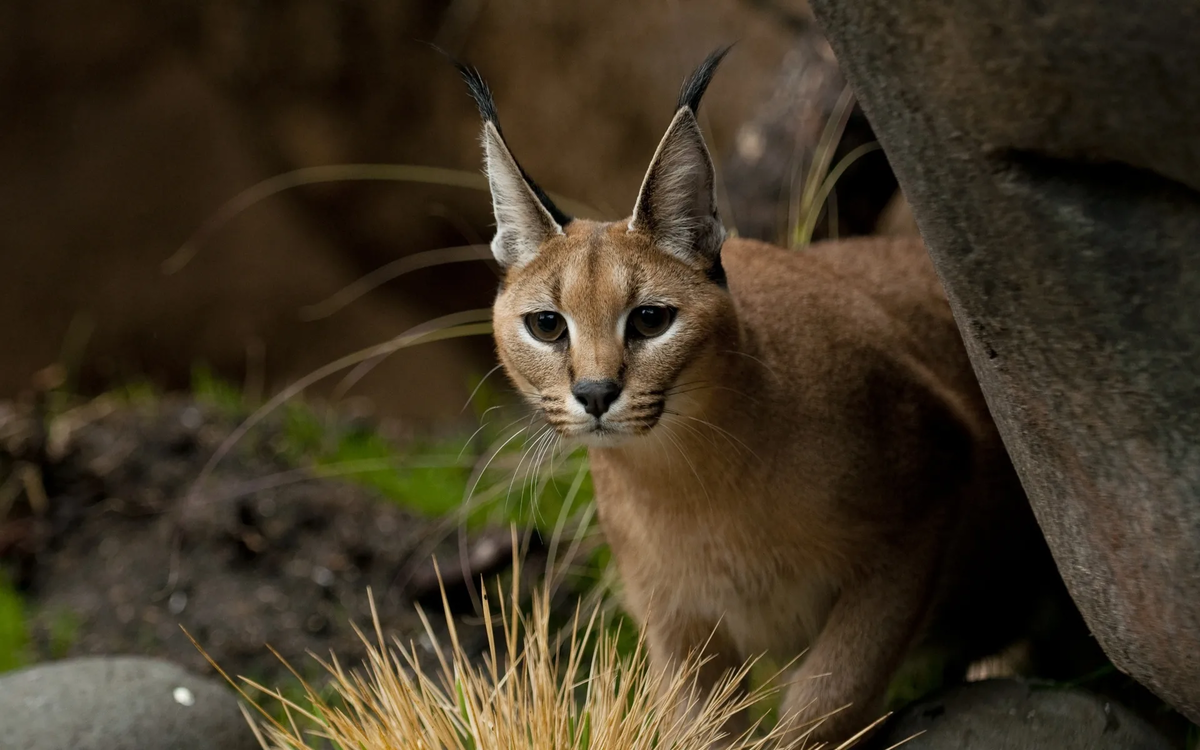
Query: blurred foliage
14, 627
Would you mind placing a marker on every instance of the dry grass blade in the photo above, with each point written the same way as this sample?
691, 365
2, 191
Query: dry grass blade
393, 270
466, 323
334, 173
534, 688
805, 231
826, 146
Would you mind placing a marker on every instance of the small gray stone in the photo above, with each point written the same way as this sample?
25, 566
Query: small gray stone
118, 703
1012, 715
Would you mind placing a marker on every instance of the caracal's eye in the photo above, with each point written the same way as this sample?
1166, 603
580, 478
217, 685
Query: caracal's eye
648, 321
546, 325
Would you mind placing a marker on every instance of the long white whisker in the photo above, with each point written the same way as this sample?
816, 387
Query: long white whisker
531, 476
550, 472
535, 486
666, 459
481, 472
547, 474
502, 430
695, 431
729, 436
475, 390
460, 516
695, 386
525, 451
756, 360
482, 427
728, 458
691, 466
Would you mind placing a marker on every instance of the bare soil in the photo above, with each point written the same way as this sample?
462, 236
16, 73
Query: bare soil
114, 557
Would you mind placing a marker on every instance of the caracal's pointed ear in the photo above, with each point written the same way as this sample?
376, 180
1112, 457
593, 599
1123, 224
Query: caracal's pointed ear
525, 216
677, 205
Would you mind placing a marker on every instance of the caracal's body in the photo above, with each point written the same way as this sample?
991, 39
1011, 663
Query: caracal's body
790, 449
843, 464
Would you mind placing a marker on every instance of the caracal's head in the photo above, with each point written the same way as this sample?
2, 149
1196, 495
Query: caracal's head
606, 328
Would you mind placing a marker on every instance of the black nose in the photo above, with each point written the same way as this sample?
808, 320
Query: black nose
596, 395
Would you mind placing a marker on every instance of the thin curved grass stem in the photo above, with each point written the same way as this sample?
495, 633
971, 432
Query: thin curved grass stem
335, 173
455, 325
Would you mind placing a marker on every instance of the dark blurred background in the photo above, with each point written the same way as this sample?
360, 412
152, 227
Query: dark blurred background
126, 124
1047, 147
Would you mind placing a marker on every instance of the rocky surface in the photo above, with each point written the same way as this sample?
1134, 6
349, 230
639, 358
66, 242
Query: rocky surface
1010, 715
118, 703
1049, 152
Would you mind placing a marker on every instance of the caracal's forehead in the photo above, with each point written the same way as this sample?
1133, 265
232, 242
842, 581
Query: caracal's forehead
595, 268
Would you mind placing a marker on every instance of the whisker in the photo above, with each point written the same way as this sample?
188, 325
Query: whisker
525, 450
482, 427
658, 434
691, 466
677, 390
637, 416
756, 360
479, 385
479, 473
531, 476
638, 422
727, 458
729, 436
540, 483
694, 430
442, 529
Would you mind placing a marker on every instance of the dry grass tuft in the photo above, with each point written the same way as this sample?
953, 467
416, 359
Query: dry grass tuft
537, 688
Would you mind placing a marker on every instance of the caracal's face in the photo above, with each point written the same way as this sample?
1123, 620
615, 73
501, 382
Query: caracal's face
606, 335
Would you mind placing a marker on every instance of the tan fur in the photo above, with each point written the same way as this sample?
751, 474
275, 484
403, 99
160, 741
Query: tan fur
824, 473
803, 460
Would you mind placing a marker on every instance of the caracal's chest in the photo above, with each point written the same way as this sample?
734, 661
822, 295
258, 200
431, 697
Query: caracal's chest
721, 560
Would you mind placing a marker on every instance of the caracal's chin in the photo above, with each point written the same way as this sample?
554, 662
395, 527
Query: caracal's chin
602, 434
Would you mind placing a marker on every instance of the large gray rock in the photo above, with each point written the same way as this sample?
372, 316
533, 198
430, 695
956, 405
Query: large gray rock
1010, 715
118, 703
1051, 153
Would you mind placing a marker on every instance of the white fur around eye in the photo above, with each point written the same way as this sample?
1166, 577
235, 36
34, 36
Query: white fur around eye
623, 321
668, 334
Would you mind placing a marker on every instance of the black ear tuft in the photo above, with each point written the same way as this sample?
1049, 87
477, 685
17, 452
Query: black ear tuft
697, 83
482, 94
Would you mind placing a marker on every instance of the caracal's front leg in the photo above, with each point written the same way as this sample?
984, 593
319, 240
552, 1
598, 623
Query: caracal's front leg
871, 627
673, 638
